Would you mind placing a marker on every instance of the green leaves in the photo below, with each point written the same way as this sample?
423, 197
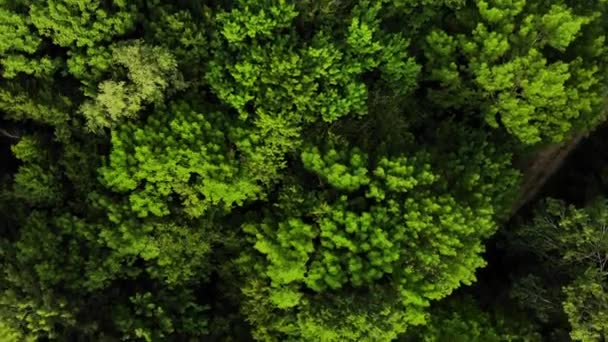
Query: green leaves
560, 27
363, 226
540, 96
9, 334
36, 181
462, 320
166, 315
349, 175
576, 234
287, 257
501, 11
81, 23
280, 85
184, 153
15, 33
253, 18
372, 314
19, 42
521, 72
152, 72
586, 305
304, 171
574, 241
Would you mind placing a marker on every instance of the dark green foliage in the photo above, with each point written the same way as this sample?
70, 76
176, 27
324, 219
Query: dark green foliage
571, 242
462, 320
36, 181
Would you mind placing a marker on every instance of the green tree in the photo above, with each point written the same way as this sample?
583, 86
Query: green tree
9, 334
279, 85
514, 63
586, 305
573, 242
185, 33
86, 28
73, 246
363, 227
299, 171
152, 74
20, 43
182, 152
461, 319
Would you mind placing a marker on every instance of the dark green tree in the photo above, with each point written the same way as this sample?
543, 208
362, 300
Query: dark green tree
573, 243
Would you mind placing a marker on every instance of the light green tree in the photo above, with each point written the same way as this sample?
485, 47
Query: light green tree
362, 228
180, 152
518, 67
151, 72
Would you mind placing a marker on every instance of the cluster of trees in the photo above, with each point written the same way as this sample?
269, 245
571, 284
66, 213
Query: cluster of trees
308, 170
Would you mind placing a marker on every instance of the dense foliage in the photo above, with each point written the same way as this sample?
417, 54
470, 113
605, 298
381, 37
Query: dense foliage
293, 170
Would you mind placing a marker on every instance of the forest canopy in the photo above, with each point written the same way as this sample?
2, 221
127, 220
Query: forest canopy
305, 170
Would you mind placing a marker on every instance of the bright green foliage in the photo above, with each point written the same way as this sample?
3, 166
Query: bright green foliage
287, 257
15, 33
86, 28
15, 64
373, 230
336, 173
18, 42
351, 242
75, 25
367, 316
278, 84
543, 94
90, 66
587, 306
152, 71
81, 23
514, 72
182, 152
10, 334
